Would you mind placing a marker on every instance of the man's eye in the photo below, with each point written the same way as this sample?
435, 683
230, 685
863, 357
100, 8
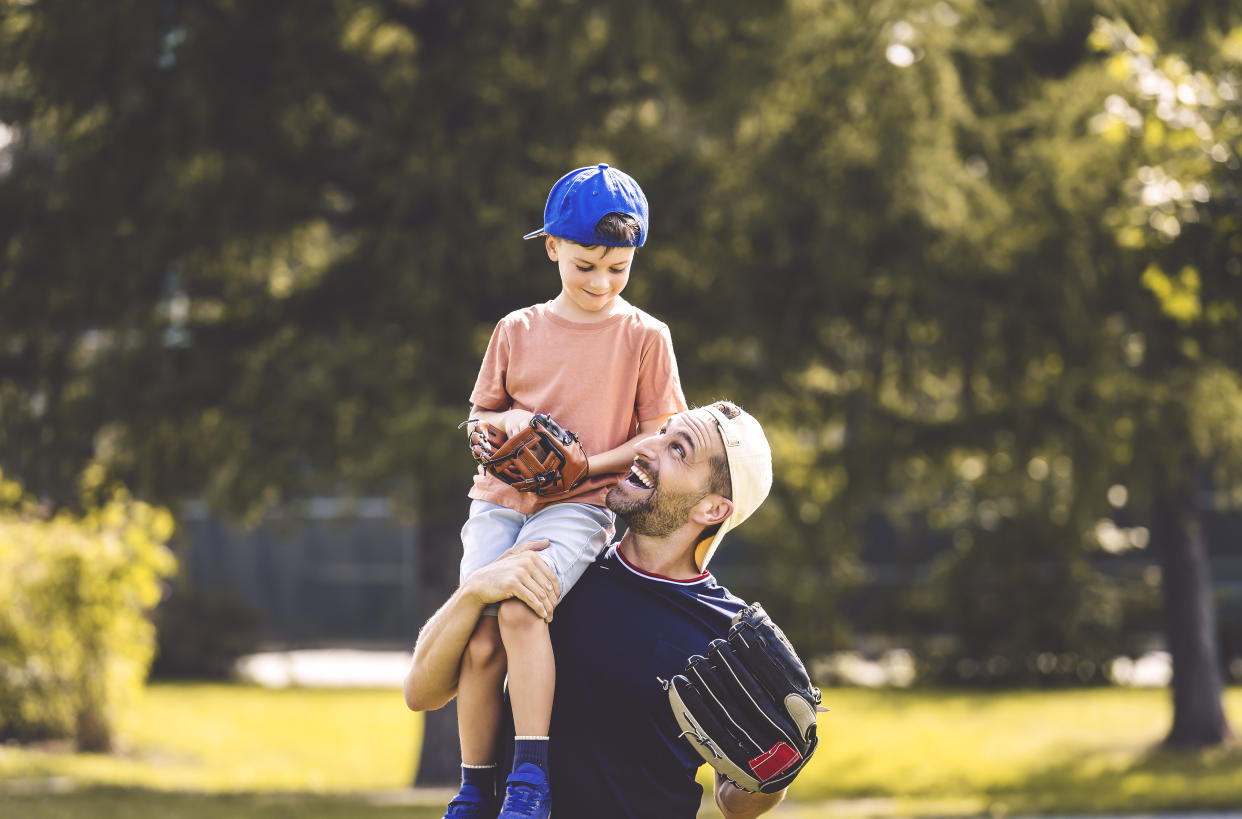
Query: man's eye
679, 450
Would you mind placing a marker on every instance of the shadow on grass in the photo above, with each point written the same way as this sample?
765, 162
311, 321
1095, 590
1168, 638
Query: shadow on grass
1158, 780
136, 803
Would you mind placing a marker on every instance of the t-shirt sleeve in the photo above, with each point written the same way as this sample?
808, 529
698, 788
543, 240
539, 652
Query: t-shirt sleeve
489, 388
659, 385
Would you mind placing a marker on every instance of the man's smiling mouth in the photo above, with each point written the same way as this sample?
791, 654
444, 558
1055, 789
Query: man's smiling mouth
640, 477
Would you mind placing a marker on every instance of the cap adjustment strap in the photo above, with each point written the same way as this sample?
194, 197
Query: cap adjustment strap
727, 431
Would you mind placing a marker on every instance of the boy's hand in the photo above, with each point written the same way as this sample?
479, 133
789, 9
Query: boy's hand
484, 439
542, 457
516, 420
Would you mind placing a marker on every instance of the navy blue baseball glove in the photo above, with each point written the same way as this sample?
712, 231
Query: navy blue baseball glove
748, 707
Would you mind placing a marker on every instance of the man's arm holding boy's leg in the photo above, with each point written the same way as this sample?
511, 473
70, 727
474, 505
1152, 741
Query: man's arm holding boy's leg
432, 679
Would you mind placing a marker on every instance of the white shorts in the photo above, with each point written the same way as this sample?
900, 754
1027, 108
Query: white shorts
577, 533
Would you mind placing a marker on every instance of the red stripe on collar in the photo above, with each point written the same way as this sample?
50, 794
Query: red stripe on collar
655, 576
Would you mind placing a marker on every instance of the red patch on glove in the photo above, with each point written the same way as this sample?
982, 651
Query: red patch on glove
774, 761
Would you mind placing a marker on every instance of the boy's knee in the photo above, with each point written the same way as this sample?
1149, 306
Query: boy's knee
485, 648
514, 614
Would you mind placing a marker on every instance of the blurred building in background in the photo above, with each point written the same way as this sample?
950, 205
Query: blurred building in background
325, 571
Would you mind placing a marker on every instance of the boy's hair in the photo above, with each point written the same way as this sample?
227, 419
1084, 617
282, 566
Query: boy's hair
615, 227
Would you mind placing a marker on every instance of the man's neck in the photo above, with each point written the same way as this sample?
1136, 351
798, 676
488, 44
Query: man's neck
671, 557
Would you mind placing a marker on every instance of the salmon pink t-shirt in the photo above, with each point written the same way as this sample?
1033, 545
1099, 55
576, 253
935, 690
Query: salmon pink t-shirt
598, 380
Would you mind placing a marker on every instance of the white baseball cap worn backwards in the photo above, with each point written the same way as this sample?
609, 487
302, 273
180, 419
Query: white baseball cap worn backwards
750, 472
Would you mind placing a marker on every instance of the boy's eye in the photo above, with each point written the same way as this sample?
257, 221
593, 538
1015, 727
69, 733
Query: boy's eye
586, 269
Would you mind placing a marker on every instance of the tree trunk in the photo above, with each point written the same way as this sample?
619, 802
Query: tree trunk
93, 734
1190, 617
93, 731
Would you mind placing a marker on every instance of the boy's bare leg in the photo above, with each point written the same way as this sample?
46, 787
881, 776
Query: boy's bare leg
532, 682
532, 667
479, 693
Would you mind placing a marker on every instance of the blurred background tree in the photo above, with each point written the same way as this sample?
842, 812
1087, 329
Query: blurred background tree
255, 252
1180, 225
75, 594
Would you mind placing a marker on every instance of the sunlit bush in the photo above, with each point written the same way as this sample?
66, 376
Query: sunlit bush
75, 593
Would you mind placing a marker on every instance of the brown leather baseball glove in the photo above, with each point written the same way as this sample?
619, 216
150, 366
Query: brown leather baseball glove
544, 458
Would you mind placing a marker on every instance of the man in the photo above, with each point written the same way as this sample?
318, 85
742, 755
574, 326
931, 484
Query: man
638, 613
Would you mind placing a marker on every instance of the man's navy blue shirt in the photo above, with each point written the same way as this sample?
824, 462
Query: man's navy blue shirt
616, 749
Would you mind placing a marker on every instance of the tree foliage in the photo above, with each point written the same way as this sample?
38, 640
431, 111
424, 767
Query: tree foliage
76, 592
1181, 215
931, 244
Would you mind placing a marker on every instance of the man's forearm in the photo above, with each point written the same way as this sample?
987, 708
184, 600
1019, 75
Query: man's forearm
432, 679
436, 664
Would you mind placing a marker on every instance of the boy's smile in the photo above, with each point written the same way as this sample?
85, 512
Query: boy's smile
591, 278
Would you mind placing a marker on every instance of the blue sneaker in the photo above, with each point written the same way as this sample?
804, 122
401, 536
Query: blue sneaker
527, 794
471, 803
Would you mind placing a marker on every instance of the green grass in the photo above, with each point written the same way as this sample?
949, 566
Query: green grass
215, 751
946, 753
214, 738
200, 751
117, 803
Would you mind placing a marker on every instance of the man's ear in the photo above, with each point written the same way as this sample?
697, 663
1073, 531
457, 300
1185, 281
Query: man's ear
550, 243
711, 510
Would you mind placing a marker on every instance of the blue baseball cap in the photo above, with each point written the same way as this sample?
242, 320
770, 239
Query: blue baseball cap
582, 197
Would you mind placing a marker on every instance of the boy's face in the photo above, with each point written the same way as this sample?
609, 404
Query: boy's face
591, 278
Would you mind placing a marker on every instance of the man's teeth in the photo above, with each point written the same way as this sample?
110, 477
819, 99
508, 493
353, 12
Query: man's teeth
642, 477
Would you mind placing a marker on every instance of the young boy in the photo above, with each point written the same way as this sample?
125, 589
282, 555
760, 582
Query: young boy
603, 369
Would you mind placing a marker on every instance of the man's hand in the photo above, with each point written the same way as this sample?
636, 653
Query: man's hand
519, 572
748, 707
433, 675
736, 803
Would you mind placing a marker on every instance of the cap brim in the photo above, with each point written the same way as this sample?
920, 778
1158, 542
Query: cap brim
535, 233
751, 478
704, 550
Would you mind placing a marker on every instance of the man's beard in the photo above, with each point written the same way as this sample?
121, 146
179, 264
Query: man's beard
657, 514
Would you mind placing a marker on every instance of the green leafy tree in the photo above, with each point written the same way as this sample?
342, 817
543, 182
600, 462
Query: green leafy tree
76, 638
262, 245
1180, 224
259, 248
962, 340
